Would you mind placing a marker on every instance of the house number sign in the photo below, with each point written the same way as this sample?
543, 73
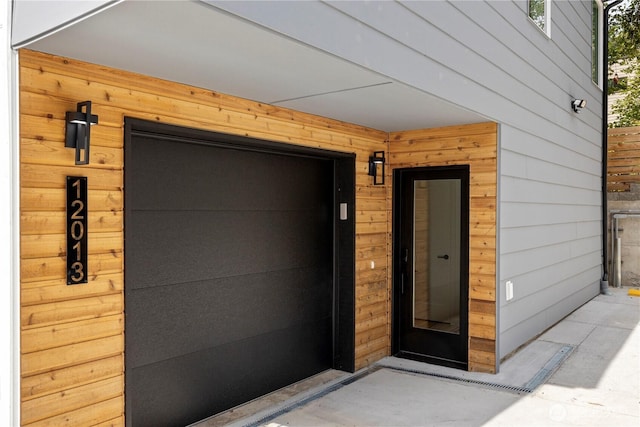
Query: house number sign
76, 230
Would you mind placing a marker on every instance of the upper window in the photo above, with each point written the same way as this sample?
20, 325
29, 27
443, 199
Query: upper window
539, 14
596, 48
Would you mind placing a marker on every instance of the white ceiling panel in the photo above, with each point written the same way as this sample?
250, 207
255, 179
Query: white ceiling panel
390, 107
32, 19
194, 43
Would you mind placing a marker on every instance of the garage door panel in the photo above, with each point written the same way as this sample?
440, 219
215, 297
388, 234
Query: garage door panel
191, 317
190, 246
206, 382
162, 173
231, 256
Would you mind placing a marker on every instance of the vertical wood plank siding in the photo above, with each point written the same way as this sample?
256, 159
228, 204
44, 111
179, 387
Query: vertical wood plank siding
476, 146
72, 342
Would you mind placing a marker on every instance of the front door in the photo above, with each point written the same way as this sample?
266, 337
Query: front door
431, 247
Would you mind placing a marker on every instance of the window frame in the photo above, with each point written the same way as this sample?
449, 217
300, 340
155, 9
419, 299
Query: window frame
597, 73
546, 28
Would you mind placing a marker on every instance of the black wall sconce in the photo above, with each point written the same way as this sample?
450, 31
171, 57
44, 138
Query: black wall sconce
578, 104
78, 132
376, 167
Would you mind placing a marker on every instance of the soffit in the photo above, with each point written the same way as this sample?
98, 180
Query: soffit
194, 43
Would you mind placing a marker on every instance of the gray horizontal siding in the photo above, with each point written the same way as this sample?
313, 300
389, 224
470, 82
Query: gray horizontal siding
556, 302
549, 289
489, 58
550, 199
480, 59
517, 264
521, 190
519, 239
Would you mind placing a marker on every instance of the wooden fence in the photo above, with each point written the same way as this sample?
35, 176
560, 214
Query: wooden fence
623, 158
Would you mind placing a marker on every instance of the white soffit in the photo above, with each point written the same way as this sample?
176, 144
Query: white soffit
33, 19
391, 107
196, 44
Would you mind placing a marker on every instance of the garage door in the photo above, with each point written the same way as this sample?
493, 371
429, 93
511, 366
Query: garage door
230, 285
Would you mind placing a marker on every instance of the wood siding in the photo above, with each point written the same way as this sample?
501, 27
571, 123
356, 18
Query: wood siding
473, 145
72, 336
488, 57
484, 56
623, 167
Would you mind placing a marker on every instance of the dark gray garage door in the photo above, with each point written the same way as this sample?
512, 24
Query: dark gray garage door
229, 276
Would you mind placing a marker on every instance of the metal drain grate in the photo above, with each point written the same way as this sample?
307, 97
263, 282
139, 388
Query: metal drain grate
294, 405
516, 389
541, 376
550, 367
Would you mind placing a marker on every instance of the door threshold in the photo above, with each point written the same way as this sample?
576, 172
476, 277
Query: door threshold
432, 360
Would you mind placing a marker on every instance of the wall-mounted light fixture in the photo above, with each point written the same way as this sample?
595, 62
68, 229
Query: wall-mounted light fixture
78, 132
578, 104
376, 167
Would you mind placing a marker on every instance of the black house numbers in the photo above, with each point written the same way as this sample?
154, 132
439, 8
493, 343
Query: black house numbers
76, 230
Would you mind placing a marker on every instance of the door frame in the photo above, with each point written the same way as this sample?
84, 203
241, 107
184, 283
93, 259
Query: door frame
343, 304
344, 231
397, 268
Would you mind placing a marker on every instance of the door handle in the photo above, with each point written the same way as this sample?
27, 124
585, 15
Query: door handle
445, 256
405, 261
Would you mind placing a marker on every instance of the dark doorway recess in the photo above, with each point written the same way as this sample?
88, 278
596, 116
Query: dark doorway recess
239, 274
431, 264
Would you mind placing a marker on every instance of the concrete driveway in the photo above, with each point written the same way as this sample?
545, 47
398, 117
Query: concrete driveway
585, 371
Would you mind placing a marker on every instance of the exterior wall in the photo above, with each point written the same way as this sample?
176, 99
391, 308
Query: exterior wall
550, 231
490, 58
72, 336
550, 197
475, 145
486, 57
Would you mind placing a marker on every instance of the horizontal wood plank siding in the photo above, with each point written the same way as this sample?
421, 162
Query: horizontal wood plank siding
72, 339
476, 146
488, 57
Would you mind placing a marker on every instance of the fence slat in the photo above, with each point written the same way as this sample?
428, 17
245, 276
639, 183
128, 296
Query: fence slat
623, 158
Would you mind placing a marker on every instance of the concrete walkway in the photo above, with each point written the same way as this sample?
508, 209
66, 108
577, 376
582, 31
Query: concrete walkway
585, 371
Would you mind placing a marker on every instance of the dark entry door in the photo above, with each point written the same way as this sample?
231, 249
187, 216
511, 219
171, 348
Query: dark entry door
230, 285
431, 249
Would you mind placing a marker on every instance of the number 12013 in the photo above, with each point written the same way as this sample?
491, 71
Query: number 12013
76, 230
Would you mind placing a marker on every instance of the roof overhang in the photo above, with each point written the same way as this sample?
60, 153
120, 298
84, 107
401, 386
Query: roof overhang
196, 43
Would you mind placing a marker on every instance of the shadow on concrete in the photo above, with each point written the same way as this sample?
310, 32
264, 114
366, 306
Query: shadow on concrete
587, 364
